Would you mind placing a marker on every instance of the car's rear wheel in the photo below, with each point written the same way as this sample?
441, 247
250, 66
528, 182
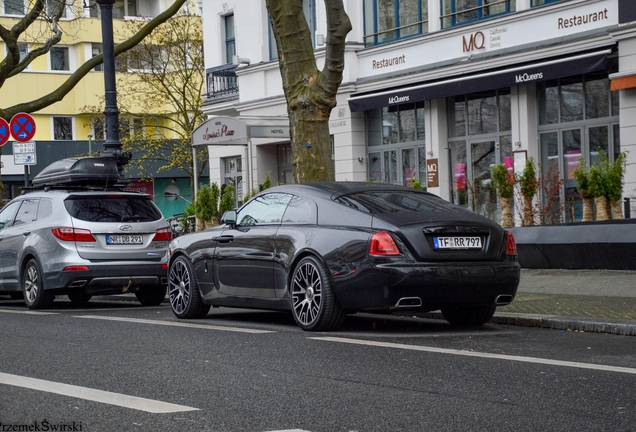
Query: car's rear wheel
314, 304
35, 296
79, 297
151, 296
183, 289
469, 315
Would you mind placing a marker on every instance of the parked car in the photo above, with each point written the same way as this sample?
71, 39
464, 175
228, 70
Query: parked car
74, 234
323, 250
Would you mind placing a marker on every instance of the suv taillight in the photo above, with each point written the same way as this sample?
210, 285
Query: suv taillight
511, 247
383, 244
163, 234
73, 234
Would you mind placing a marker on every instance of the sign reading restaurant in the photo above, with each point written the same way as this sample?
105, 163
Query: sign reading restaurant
520, 30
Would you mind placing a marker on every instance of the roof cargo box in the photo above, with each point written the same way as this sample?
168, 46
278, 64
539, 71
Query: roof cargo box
87, 172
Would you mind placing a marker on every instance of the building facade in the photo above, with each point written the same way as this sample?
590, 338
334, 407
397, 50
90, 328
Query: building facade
68, 128
441, 90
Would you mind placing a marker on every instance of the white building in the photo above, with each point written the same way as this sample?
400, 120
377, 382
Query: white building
453, 84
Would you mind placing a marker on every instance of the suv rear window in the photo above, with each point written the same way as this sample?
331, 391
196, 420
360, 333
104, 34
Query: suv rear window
112, 208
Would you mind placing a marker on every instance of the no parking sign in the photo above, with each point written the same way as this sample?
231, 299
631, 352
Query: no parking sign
22, 127
4, 132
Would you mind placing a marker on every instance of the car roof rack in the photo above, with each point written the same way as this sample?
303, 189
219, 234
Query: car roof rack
87, 173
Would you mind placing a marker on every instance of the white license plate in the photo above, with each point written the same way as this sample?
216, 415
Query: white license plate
124, 239
457, 242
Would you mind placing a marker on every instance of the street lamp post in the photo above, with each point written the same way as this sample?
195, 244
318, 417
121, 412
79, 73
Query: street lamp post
112, 145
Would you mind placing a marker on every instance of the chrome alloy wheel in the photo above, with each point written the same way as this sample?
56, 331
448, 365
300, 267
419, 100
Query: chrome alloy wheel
180, 287
306, 293
31, 284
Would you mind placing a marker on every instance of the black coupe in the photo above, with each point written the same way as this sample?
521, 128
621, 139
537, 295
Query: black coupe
323, 250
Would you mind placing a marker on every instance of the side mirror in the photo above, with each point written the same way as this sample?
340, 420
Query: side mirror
229, 218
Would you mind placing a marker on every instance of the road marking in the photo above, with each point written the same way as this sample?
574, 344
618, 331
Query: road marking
28, 312
122, 400
482, 355
176, 324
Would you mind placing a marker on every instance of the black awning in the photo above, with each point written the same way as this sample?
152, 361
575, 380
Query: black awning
536, 72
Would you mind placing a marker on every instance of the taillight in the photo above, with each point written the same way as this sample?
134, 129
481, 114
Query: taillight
163, 234
76, 268
73, 234
511, 247
383, 244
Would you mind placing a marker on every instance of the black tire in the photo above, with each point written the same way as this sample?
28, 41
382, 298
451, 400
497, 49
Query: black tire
151, 296
16, 295
183, 289
313, 302
469, 315
35, 296
79, 297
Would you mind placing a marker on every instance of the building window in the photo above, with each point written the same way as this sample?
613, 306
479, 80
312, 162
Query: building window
285, 164
309, 9
390, 20
14, 7
124, 8
63, 128
578, 118
396, 148
479, 131
457, 12
233, 175
93, 10
53, 8
97, 125
230, 42
543, 2
59, 58
97, 49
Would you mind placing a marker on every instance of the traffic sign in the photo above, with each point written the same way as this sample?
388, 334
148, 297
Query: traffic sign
4, 132
22, 127
24, 153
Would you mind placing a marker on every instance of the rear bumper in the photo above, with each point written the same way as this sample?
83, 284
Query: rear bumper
435, 285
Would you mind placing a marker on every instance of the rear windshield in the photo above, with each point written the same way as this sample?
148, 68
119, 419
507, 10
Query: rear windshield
377, 202
112, 208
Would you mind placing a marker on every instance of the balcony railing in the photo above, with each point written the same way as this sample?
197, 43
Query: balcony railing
221, 81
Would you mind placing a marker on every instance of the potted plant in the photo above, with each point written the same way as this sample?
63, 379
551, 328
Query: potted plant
582, 176
614, 184
504, 181
529, 185
597, 188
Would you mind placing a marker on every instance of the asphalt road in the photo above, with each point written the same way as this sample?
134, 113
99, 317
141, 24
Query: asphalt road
116, 366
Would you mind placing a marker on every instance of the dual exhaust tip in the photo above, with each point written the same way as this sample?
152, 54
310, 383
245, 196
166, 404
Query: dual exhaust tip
414, 302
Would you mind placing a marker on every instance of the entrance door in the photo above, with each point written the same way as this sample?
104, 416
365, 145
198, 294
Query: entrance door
483, 157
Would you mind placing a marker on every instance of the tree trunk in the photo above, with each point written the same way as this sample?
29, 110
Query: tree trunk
601, 208
618, 209
311, 147
528, 217
506, 214
588, 210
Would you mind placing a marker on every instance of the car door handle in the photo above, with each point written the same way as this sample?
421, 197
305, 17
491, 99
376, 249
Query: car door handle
26, 233
224, 239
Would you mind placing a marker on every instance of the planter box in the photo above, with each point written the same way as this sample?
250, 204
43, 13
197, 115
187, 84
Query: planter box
609, 245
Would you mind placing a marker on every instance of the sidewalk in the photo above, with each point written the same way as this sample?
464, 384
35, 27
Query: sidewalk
602, 301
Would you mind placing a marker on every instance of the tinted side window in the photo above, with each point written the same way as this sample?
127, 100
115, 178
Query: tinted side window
264, 209
27, 213
45, 209
112, 208
8, 213
300, 211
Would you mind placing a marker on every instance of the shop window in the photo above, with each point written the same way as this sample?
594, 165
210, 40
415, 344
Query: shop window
458, 12
62, 128
14, 7
544, 2
309, 9
285, 164
233, 175
396, 144
390, 20
59, 57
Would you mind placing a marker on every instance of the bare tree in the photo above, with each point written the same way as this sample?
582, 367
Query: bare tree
310, 93
41, 24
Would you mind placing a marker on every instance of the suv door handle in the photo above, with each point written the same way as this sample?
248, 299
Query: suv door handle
26, 233
224, 238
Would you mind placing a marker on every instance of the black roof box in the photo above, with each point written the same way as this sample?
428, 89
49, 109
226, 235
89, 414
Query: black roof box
80, 172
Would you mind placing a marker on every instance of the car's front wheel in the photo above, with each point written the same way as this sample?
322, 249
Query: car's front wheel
35, 296
469, 315
314, 304
183, 289
151, 296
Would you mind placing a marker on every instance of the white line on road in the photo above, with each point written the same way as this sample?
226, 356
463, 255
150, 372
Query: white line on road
122, 400
28, 312
175, 324
537, 360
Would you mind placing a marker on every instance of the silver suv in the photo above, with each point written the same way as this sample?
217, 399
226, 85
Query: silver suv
80, 242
